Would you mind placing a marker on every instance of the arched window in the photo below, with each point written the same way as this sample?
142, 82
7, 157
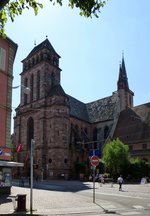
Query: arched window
29, 64
31, 87
25, 95
38, 85
37, 59
30, 131
41, 56
53, 79
95, 137
86, 138
106, 130
24, 66
76, 134
33, 61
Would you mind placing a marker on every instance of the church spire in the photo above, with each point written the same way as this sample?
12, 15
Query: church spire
124, 93
123, 79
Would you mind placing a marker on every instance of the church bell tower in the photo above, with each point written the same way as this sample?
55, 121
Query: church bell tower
124, 93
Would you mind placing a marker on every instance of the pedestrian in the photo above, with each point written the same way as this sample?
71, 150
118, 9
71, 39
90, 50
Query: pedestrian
120, 182
101, 180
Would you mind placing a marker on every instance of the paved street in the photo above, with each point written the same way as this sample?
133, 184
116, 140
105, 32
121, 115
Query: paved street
76, 198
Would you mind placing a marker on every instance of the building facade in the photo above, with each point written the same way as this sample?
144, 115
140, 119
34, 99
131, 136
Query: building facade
7, 56
65, 130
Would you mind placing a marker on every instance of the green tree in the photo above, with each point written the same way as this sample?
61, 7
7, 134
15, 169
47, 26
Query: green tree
11, 9
116, 157
139, 168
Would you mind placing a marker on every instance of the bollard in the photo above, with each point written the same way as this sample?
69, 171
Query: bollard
21, 202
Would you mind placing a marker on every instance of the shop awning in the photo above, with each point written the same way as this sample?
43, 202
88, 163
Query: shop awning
10, 164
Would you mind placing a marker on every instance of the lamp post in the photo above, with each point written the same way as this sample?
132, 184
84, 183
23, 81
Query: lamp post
31, 175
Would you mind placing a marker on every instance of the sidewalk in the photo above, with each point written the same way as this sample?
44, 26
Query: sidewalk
64, 198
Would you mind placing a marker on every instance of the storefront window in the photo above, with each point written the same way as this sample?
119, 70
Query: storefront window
5, 177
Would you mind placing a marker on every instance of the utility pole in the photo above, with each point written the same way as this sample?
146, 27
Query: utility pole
31, 175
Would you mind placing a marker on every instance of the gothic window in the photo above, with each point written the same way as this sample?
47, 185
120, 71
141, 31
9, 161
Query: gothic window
76, 135
31, 87
24, 65
2, 59
65, 160
130, 100
29, 64
95, 137
50, 160
33, 61
49, 58
106, 129
71, 134
53, 79
37, 59
30, 131
82, 134
25, 95
38, 86
86, 139
54, 61
41, 56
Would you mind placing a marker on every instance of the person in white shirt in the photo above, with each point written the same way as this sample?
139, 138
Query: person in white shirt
120, 182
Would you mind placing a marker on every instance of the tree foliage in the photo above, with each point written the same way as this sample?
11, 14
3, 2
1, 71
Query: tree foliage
116, 157
139, 168
11, 9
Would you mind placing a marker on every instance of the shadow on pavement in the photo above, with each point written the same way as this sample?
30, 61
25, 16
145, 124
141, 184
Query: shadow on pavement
4, 199
58, 185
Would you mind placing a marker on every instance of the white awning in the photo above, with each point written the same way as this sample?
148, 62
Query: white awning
10, 164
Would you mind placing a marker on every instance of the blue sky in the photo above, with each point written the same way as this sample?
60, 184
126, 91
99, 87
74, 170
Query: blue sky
90, 49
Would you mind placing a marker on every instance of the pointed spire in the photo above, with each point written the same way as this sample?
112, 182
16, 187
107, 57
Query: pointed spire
123, 80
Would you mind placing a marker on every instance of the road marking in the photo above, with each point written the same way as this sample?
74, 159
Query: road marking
130, 213
138, 207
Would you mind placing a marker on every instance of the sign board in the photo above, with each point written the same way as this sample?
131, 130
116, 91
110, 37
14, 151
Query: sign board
5, 153
1, 152
94, 160
94, 152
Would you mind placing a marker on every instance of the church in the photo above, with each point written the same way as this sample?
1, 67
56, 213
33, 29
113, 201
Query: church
66, 131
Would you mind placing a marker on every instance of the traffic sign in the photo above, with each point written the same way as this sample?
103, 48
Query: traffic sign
94, 152
94, 160
1, 152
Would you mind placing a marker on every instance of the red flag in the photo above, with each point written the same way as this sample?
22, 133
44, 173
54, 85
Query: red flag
19, 148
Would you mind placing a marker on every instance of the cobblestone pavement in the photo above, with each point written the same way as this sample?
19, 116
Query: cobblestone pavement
65, 197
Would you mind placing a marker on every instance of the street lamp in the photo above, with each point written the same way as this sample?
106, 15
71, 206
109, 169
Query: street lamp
26, 89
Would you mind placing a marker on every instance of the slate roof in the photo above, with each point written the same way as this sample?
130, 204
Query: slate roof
99, 110
103, 109
40, 46
78, 109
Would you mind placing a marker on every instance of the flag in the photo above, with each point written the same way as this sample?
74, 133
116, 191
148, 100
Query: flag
19, 148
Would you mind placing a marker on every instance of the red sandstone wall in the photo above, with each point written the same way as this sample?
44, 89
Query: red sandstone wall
3, 95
